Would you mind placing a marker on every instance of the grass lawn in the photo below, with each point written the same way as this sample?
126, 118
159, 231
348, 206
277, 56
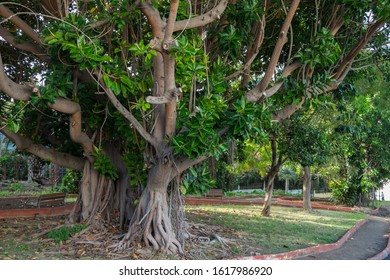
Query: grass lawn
287, 229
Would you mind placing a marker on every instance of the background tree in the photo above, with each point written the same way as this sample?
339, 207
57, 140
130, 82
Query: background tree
308, 143
362, 140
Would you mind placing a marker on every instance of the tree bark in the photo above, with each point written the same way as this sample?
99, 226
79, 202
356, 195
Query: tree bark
122, 197
307, 189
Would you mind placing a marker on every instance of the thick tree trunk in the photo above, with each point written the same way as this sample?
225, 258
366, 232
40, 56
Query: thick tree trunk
94, 205
151, 222
122, 198
306, 189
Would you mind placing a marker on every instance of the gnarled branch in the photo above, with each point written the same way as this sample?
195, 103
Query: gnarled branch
24, 46
27, 29
278, 47
204, 19
24, 92
24, 144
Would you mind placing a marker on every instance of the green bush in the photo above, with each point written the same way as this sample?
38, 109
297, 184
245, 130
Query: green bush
16, 187
70, 182
197, 181
342, 193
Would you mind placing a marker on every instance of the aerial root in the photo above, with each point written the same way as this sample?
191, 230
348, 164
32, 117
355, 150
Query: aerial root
152, 225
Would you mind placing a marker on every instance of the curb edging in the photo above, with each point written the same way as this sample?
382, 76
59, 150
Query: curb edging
310, 250
33, 212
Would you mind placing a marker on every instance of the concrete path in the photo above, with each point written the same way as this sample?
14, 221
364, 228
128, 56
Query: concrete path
370, 239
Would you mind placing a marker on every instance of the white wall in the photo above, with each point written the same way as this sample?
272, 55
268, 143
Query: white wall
386, 191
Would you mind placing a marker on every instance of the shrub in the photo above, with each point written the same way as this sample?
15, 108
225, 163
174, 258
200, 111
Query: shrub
70, 182
342, 193
16, 187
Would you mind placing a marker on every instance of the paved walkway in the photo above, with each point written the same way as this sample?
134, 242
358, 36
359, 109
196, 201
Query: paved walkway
370, 239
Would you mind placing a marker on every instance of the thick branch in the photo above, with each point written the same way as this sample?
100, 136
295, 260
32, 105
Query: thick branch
171, 20
256, 96
13, 90
153, 17
204, 19
358, 47
170, 90
278, 47
8, 14
73, 109
24, 144
287, 111
24, 46
183, 164
24, 92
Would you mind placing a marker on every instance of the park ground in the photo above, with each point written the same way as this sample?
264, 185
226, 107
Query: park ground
216, 232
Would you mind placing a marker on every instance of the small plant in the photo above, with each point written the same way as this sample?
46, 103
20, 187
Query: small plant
103, 165
16, 187
64, 233
70, 182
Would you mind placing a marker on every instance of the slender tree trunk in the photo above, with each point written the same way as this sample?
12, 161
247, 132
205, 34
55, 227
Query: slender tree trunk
286, 186
213, 169
275, 166
266, 210
306, 189
30, 172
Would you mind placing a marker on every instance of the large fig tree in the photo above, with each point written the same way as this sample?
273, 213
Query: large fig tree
146, 89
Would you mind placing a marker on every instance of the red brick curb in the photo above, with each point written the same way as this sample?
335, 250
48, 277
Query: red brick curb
279, 202
33, 212
307, 251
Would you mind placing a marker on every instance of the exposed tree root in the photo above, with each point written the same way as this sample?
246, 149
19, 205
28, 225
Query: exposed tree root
152, 225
